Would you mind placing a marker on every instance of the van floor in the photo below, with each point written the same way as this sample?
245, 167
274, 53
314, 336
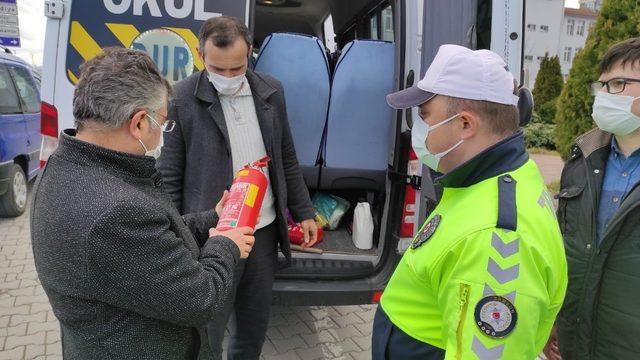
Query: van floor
339, 241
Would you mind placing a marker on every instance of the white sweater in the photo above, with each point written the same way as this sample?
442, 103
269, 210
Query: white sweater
246, 141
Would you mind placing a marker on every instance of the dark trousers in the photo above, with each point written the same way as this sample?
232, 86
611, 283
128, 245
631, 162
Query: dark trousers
247, 313
391, 343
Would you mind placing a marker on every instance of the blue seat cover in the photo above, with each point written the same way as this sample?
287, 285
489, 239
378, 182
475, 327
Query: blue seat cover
360, 122
300, 63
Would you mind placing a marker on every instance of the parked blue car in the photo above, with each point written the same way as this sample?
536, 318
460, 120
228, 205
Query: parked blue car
19, 132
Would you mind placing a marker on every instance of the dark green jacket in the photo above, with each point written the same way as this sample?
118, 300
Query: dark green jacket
600, 318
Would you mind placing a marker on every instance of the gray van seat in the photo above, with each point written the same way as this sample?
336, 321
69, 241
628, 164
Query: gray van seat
300, 63
359, 125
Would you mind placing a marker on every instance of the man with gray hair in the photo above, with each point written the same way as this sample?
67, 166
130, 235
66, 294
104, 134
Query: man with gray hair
127, 276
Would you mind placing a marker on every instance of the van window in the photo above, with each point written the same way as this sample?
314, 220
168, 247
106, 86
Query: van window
26, 89
373, 27
38, 83
381, 24
9, 101
387, 24
348, 20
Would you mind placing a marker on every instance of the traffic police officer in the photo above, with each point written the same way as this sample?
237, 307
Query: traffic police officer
486, 275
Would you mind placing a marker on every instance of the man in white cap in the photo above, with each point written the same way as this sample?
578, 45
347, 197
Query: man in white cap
486, 275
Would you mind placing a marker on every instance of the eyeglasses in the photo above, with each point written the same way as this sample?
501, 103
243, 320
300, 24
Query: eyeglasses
167, 126
614, 86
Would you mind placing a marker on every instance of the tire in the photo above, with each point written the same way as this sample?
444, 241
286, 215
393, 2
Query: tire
14, 202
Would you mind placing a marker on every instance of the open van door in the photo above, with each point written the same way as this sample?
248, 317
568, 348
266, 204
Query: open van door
419, 28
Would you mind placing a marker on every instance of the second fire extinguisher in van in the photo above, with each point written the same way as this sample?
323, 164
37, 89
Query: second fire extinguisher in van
245, 197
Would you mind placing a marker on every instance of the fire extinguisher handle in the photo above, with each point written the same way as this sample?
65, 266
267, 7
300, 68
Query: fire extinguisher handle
262, 162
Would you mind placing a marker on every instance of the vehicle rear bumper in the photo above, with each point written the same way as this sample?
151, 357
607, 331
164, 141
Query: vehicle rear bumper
324, 293
333, 292
5, 176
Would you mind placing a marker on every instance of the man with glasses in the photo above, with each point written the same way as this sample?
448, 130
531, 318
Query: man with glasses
126, 275
599, 215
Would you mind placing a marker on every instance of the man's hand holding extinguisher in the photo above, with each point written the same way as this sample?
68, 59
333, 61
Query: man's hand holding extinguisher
243, 237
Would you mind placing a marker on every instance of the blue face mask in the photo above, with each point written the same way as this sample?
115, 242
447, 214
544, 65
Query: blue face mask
419, 134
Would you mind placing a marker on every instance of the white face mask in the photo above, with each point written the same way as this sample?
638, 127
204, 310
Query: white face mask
226, 85
419, 134
154, 153
612, 113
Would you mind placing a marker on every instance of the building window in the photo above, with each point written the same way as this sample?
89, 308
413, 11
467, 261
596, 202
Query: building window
570, 25
544, 28
568, 52
531, 27
580, 29
528, 57
540, 58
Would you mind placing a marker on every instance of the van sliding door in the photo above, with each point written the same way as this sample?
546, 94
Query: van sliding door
443, 22
447, 22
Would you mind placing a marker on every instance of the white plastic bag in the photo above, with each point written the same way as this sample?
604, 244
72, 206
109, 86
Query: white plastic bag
363, 227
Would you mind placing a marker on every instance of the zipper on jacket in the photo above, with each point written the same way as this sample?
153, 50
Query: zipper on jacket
464, 296
593, 192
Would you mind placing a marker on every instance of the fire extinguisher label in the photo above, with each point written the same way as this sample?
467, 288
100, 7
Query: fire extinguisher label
252, 195
233, 208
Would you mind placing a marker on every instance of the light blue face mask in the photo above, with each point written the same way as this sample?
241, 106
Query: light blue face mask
419, 134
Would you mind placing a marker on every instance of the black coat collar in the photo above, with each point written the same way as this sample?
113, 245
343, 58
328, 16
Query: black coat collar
84, 153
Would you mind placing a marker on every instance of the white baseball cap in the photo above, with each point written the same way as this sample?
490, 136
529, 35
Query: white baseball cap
463, 73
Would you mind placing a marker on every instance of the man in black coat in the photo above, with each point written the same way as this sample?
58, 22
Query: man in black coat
228, 116
128, 277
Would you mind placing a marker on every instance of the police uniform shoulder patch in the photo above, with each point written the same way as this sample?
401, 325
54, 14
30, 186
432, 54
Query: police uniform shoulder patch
496, 316
426, 232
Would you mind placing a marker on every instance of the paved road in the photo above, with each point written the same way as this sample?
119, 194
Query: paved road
29, 330
550, 166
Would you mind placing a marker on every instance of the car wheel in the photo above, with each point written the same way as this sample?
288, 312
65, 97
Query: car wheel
14, 202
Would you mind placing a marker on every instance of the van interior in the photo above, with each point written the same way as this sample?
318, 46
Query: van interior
336, 61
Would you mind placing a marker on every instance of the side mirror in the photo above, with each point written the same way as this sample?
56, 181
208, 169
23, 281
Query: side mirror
525, 105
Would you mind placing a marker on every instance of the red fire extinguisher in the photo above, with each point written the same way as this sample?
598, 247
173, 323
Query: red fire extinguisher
245, 197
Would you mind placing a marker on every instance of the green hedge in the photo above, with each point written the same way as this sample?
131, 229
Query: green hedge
549, 82
538, 135
547, 112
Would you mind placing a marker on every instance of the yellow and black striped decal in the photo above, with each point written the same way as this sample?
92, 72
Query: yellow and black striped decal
98, 24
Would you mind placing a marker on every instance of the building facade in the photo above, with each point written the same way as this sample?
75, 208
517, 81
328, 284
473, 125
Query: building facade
543, 21
594, 5
573, 35
552, 29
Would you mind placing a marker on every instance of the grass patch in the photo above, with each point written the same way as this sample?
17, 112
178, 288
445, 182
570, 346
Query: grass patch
542, 151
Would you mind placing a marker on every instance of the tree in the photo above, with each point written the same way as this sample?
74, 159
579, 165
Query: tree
618, 20
548, 82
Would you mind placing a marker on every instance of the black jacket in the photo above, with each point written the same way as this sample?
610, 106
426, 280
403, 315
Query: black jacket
196, 158
600, 318
127, 276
